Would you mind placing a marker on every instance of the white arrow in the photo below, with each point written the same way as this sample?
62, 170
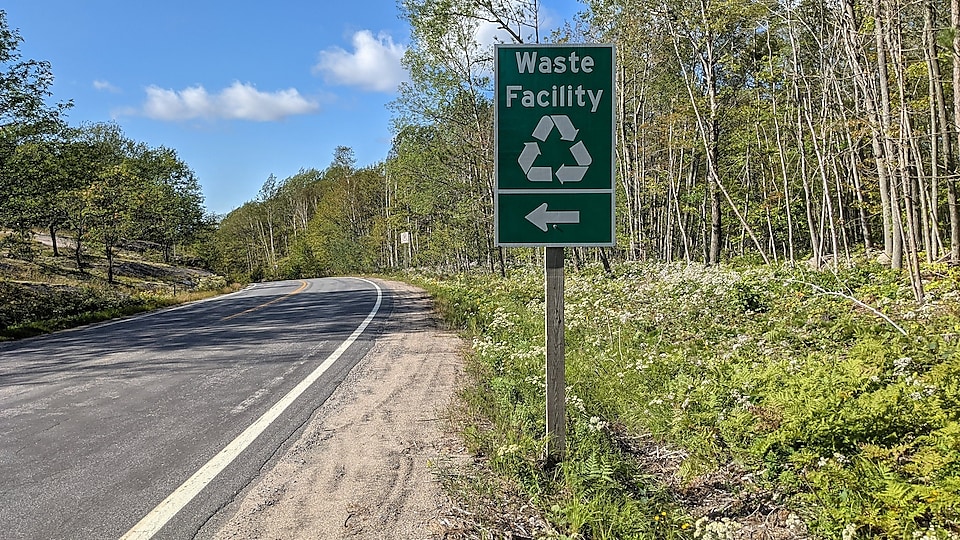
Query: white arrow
567, 131
579, 152
567, 173
530, 152
541, 217
543, 129
540, 174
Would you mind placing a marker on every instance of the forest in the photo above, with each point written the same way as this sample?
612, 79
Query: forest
91, 181
770, 351
775, 132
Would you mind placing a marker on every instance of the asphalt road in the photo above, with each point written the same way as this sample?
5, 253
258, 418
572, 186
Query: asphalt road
100, 425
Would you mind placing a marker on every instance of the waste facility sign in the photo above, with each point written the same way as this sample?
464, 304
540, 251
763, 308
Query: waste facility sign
554, 149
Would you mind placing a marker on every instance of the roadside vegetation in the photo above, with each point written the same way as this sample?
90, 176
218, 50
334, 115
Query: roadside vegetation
45, 293
715, 403
116, 214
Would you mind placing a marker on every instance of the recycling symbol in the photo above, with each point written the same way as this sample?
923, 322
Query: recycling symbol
565, 173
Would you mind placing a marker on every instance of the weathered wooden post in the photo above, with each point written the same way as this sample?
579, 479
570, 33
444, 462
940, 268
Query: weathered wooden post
556, 374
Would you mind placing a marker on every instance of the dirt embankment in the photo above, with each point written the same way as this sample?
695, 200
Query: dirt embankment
362, 466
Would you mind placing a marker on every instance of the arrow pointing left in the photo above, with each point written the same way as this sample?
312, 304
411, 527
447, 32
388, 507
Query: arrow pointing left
541, 217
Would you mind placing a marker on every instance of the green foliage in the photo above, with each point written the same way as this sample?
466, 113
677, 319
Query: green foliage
312, 224
91, 180
822, 399
24, 85
29, 310
211, 283
24, 303
49, 294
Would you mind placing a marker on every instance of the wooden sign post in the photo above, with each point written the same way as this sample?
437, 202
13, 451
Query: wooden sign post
556, 375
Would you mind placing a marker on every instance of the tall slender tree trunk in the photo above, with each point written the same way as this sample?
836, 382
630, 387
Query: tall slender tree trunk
939, 130
625, 161
952, 181
808, 199
710, 131
713, 174
886, 127
108, 249
680, 220
78, 248
869, 84
785, 176
894, 38
827, 205
781, 154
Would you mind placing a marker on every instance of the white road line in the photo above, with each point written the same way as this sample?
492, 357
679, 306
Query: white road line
159, 516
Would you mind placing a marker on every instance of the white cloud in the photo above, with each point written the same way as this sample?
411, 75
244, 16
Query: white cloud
373, 65
488, 33
238, 102
105, 86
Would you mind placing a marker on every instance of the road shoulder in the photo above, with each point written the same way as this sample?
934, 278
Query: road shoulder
362, 466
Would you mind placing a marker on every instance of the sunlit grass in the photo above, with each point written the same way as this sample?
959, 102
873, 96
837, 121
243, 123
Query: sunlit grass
825, 408
44, 293
132, 306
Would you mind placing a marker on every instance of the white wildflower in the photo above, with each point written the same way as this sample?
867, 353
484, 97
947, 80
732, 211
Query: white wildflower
794, 523
901, 365
725, 529
596, 424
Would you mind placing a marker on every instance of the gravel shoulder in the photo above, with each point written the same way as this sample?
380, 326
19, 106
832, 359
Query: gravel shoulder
363, 465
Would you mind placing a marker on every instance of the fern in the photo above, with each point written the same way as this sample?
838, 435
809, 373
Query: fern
599, 472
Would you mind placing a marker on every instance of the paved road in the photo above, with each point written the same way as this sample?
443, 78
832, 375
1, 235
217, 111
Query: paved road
100, 425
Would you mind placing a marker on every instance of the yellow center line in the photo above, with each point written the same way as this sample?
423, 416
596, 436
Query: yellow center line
303, 285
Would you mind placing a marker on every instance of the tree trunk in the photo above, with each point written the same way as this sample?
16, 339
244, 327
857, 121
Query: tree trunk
108, 248
952, 181
78, 248
713, 173
886, 127
53, 238
894, 39
939, 130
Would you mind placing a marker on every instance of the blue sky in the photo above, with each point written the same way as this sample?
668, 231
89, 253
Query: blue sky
240, 90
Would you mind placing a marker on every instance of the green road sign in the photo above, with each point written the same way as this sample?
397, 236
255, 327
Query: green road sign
554, 128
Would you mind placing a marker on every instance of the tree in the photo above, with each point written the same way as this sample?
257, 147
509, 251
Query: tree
25, 87
25, 119
168, 205
345, 234
108, 208
450, 89
776, 131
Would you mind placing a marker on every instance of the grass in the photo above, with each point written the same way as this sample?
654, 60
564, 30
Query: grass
38, 324
42, 293
800, 411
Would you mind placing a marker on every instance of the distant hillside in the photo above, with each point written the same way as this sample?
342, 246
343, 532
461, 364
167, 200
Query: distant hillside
40, 292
